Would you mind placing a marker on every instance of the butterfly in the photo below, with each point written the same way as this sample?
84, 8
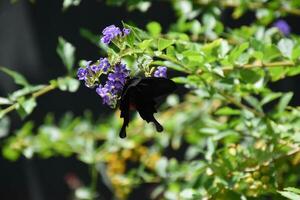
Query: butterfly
139, 94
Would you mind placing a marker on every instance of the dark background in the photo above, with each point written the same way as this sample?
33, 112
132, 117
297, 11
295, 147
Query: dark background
28, 39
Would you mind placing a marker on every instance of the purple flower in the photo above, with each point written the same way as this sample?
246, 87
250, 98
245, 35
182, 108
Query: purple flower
89, 70
117, 78
81, 73
104, 64
95, 68
114, 85
103, 92
126, 31
121, 68
161, 71
283, 27
109, 33
88, 74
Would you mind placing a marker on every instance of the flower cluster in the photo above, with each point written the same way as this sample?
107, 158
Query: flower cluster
114, 85
161, 71
111, 32
116, 79
283, 27
91, 73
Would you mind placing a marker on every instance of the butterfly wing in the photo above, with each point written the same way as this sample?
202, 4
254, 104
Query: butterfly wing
153, 87
127, 94
141, 93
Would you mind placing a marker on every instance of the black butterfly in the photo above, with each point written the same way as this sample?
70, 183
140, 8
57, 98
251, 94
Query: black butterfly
139, 94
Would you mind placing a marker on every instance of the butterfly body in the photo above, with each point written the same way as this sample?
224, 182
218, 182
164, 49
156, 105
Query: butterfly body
139, 94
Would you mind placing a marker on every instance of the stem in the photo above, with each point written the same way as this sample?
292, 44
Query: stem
257, 64
165, 57
94, 176
242, 106
40, 92
44, 90
250, 6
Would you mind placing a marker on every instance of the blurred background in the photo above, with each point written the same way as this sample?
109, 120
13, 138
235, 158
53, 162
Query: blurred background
28, 40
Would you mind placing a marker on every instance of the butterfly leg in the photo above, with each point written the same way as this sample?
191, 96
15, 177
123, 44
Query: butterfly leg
158, 126
126, 118
122, 133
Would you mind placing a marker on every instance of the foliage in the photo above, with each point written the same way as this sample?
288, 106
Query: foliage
229, 137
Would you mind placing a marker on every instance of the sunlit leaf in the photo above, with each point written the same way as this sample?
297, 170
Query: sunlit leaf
285, 46
66, 52
164, 43
154, 28
18, 78
69, 3
284, 101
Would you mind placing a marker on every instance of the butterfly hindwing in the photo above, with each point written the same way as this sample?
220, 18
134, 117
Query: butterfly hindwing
140, 93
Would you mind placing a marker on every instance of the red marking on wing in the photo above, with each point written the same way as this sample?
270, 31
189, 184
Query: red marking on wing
132, 106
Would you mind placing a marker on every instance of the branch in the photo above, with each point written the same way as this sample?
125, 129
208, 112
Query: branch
258, 64
242, 106
250, 6
40, 92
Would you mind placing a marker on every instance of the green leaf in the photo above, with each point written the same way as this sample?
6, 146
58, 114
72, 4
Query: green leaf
171, 52
66, 52
161, 167
292, 189
228, 111
24, 91
293, 71
249, 76
26, 106
219, 71
284, 101
18, 78
10, 153
69, 3
4, 126
210, 149
271, 52
277, 73
85, 193
270, 97
253, 102
237, 52
154, 28
137, 33
68, 84
296, 52
290, 195
224, 49
164, 43
87, 34
145, 44
180, 80
5, 101
207, 48
286, 46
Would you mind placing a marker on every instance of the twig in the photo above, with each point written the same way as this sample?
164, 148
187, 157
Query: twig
241, 105
250, 6
40, 92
